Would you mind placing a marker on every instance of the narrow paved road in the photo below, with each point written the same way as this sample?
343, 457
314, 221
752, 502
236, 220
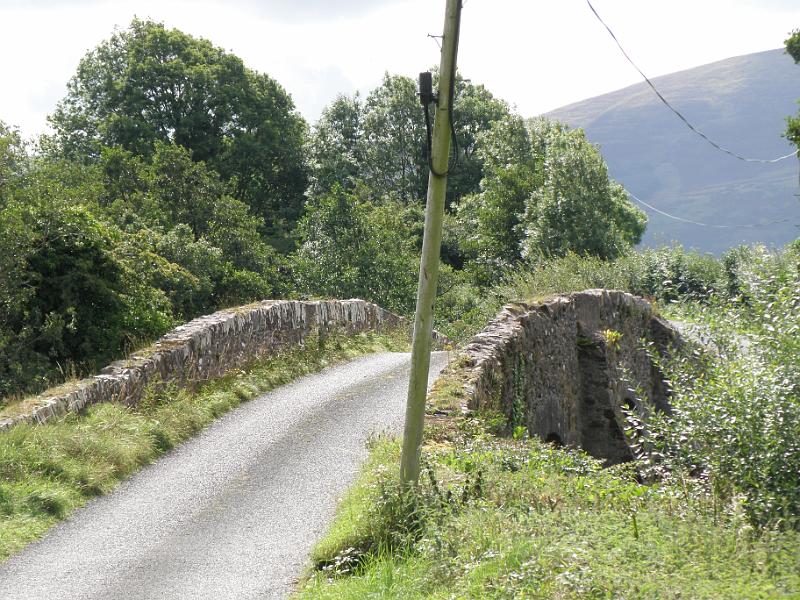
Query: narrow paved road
232, 513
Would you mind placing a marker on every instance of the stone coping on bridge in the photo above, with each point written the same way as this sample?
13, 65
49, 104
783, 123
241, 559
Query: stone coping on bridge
206, 348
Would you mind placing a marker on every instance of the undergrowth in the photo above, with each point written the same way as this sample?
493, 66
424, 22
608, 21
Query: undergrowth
47, 471
709, 509
503, 518
736, 414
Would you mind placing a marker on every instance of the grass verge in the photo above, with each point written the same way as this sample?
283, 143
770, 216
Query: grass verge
47, 471
504, 518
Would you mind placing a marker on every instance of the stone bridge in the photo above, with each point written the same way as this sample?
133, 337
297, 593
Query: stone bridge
568, 368
205, 348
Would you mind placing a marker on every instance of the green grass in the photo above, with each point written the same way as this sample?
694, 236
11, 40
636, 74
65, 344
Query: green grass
540, 522
506, 518
47, 471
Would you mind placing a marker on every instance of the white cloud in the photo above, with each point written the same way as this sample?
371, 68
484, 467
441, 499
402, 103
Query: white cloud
536, 55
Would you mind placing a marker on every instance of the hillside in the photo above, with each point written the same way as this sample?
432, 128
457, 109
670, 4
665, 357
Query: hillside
741, 103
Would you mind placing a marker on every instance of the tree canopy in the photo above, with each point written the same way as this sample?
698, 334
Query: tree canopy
381, 140
578, 208
148, 84
176, 176
545, 191
351, 247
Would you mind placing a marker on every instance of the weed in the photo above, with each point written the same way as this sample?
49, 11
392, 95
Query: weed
612, 338
502, 518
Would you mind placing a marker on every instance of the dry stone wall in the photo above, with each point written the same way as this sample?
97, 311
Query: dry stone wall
209, 346
566, 368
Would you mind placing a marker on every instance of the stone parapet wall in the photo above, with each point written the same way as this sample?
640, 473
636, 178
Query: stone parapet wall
208, 347
567, 368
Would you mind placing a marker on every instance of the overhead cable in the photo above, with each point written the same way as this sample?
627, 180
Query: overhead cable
677, 113
682, 220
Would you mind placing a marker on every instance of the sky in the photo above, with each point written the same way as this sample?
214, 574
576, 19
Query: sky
537, 55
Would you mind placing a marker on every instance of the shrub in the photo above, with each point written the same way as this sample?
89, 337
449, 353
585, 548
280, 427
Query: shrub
736, 417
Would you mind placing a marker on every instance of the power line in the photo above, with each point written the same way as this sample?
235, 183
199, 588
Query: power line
677, 113
682, 220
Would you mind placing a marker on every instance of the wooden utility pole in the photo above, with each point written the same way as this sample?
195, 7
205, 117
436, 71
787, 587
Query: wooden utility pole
431, 249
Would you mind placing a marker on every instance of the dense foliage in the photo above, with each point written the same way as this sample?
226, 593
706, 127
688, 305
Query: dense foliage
381, 141
173, 174
178, 181
147, 84
353, 248
736, 422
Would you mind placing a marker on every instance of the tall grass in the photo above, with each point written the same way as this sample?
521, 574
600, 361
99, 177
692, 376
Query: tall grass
501, 518
667, 275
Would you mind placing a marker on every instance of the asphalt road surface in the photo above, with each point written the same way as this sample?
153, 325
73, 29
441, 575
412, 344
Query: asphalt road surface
232, 513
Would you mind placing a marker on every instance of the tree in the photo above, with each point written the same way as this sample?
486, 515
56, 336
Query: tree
493, 230
148, 84
189, 202
12, 157
577, 208
393, 143
382, 141
352, 248
96, 258
793, 123
64, 293
545, 191
475, 110
334, 146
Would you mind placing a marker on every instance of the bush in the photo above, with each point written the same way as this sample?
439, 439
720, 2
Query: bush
65, 301
736, 418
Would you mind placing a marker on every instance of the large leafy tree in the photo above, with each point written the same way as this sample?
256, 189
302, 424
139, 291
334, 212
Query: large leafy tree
493, 229
12, 157
94, 258
148, 84
577, 208
352, 248
393, 141
381, 141
476, 110
67, 293
334, 149
194, 221
545, 191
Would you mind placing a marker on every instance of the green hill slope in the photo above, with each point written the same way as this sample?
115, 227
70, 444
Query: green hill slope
742, 104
